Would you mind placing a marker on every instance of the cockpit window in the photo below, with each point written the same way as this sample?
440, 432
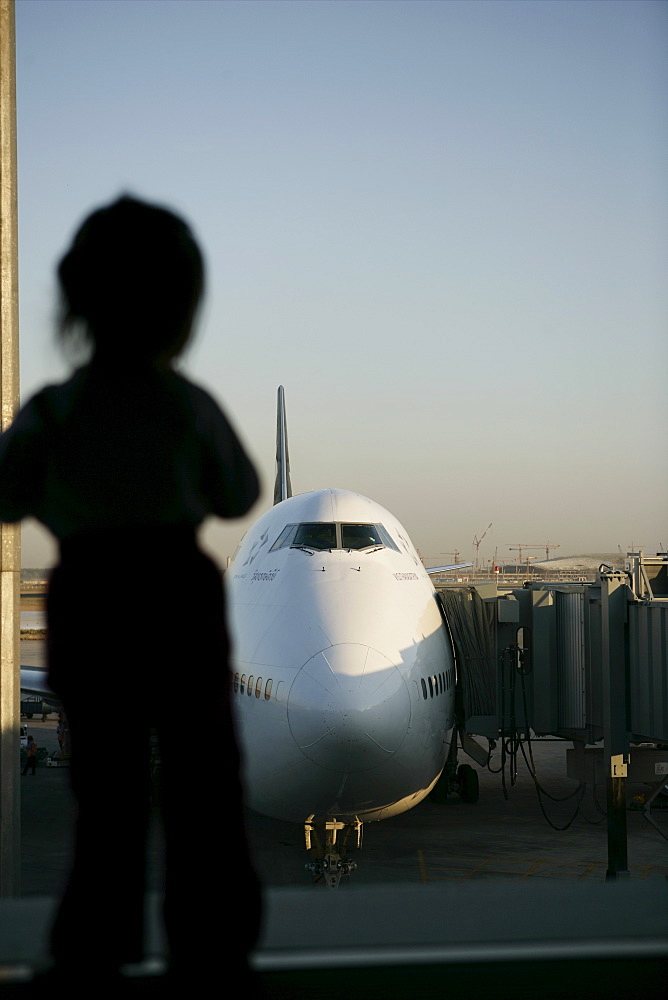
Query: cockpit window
285, 537
387, 538
359, 536
320, 535
316, 536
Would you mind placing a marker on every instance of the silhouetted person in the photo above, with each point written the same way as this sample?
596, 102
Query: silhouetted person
123, 462
31, 757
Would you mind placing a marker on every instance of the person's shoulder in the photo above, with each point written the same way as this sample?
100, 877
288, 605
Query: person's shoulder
43, 406
201, 401
192, 389
55, 399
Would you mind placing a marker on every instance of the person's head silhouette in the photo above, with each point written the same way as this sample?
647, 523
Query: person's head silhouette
131, 283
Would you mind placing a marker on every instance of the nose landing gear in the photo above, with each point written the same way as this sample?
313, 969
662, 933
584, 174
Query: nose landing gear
330, 864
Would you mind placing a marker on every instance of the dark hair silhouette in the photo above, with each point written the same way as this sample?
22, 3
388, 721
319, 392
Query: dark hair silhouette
131, 282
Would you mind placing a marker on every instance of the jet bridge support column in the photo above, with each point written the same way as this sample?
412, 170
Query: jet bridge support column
614, 605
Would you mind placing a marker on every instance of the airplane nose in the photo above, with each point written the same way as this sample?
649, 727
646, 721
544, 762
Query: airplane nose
349, 708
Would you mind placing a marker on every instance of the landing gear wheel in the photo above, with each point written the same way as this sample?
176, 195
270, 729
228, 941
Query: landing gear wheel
469, 788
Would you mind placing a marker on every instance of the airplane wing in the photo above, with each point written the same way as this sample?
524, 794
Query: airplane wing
443, 569
34, 682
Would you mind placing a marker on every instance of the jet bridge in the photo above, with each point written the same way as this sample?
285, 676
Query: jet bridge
585, 662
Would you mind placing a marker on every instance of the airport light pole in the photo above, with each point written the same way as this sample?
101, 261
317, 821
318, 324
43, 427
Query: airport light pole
10, 537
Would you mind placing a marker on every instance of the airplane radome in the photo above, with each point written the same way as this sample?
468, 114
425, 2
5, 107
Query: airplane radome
343, 671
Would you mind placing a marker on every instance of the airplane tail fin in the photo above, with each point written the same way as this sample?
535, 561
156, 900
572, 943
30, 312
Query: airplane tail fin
282, 486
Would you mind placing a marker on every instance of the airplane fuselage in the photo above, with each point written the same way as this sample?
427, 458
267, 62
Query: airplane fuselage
343, 673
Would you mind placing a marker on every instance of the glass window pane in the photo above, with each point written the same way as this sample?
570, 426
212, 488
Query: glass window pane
386, 537
318, 535
285, 537
359, 536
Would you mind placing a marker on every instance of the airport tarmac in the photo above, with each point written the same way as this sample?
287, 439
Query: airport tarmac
495, 839
483, 899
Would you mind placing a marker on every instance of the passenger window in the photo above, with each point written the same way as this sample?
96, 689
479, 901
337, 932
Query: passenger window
267, 690
250, 685
316, 536
258, 687
236, 682
242, 683
359, 536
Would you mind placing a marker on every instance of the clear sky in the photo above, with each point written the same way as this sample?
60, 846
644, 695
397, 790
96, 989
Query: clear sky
440, 225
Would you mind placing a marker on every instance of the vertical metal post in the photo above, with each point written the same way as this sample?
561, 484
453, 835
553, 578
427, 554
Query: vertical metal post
10, 544
614, 606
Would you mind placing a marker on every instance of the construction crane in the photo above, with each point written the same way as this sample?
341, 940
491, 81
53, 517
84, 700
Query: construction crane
456, 554
547, 546
519, 548
477, 541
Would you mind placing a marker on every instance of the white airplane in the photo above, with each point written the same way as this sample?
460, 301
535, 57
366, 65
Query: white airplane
343, 668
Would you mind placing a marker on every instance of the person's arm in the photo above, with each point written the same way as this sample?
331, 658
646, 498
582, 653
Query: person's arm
230, 478
21, 462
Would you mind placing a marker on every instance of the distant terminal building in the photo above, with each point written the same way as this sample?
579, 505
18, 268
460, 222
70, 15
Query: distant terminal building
564, 569
581, 567
34, 581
